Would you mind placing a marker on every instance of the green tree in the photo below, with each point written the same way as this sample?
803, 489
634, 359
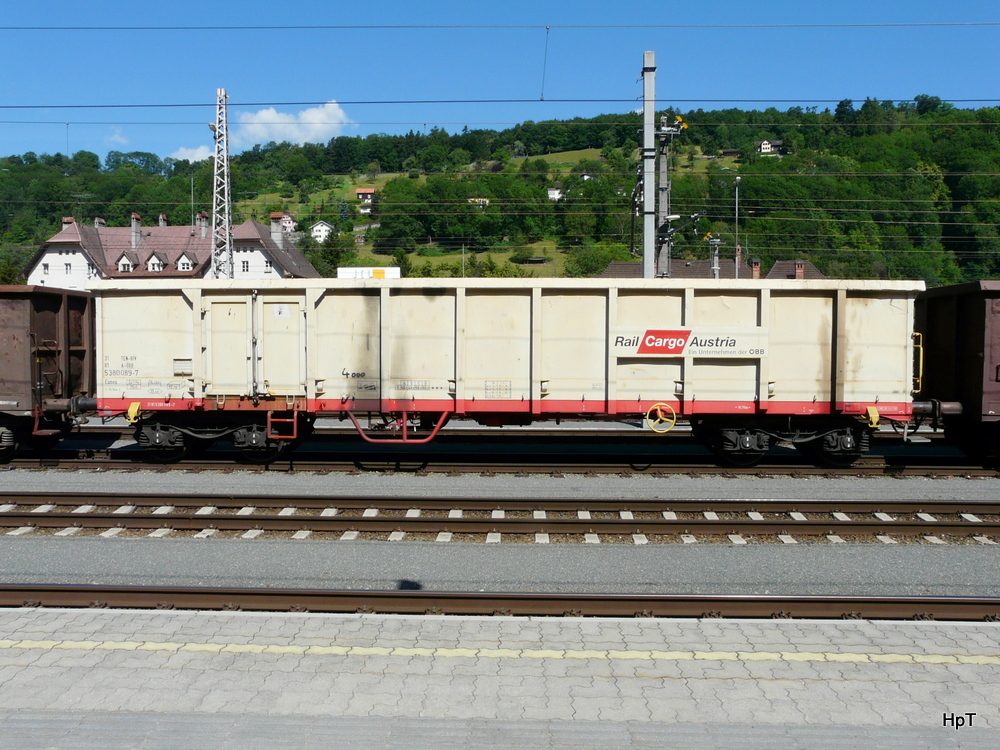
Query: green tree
13, 260
404, 262
593, 258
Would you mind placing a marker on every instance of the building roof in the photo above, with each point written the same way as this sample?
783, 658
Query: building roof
785, 269
702, 269
679, 269
105, 246
621, 269
286, 255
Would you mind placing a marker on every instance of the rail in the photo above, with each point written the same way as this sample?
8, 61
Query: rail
503, 604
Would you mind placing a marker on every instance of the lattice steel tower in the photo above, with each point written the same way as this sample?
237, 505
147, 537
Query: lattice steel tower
222, 219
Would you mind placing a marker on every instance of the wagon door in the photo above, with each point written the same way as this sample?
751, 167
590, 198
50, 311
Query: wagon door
281, 356
255, 346
991, 379
228, 346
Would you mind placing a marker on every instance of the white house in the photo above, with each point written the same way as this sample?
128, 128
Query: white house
321, 230
768, 147
80, 253
286, 220
367, 198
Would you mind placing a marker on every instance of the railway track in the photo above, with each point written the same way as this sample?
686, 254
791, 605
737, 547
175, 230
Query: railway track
524, 520
614, 450
503, 604
487, 463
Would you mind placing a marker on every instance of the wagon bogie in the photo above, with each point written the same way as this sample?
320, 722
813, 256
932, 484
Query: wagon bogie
736, 442
259, 436
826, 441
835, 445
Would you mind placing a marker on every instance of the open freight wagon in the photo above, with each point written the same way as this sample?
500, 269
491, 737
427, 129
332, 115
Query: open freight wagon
46, 363
747, 363
960, 330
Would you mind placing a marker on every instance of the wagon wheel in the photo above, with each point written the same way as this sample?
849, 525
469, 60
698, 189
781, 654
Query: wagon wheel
739, 459
827, 459
270, 452
661, 417
7, 452
166, 455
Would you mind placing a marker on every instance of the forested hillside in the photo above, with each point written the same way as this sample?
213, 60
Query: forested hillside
872, 189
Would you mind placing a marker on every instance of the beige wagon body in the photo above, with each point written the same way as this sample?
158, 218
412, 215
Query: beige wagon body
505, 350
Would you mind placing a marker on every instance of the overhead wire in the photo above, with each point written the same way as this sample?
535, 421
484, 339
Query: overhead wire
467, 27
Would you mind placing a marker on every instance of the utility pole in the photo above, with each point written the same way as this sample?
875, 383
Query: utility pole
648, 165
222, 220
665, 135
739, 250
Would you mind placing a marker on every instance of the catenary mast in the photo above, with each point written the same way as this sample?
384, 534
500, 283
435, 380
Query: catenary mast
649, 165
222, 220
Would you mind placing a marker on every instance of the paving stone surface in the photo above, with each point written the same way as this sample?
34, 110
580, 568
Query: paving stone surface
105, 678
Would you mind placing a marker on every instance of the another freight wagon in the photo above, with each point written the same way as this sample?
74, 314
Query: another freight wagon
46, 364
959, 327
747, 363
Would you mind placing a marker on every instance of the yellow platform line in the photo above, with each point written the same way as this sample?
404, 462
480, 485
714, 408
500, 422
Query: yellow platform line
500, 653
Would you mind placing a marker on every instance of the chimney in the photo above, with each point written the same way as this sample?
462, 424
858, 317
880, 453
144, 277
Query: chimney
136, 230
202, 221
277, 236
99, 223
755, 268
163, 220
800, 270
67, 220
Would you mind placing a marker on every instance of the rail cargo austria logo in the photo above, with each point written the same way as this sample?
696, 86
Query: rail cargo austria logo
699, 342
663, 342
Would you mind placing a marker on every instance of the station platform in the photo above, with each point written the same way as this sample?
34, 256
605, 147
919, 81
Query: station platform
176, 679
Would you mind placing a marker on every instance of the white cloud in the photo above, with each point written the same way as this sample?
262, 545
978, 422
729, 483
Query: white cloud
193, 154
116, 136
315, 125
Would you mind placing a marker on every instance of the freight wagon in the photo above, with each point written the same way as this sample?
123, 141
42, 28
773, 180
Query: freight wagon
46, 364
746, 363
960, 330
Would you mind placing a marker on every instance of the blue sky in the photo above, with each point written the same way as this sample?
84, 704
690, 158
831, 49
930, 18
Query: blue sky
69, 85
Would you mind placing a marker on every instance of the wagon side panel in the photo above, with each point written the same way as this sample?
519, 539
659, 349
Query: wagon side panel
800, 378
641, 382
573, 351
494, 350
15, 363
147, 350
875, 353
725, 377
418, 349
346, 362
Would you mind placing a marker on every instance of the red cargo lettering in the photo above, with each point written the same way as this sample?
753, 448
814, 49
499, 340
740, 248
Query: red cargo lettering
664, 342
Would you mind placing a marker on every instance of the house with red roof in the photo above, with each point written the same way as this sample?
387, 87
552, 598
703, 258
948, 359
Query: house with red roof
80, 253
